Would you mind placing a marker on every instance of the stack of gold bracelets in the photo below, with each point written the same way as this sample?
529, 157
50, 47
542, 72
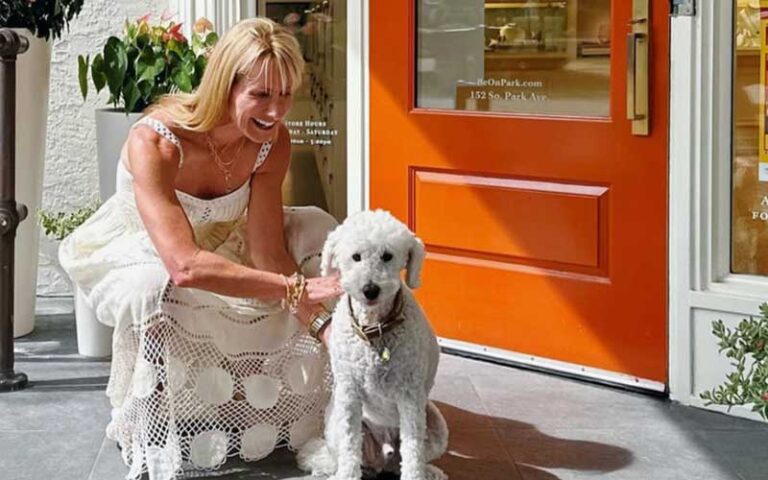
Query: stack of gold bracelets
294, 290
295, 285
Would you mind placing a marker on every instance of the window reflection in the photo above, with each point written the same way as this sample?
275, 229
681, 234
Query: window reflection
317, 121
529, 57
749, 248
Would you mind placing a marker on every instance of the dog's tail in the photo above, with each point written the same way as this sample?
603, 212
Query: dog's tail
316, 457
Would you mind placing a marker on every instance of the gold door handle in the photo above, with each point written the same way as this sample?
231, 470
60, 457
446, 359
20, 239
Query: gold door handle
638, 42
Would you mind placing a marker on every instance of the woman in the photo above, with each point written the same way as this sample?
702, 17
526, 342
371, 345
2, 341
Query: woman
190, 262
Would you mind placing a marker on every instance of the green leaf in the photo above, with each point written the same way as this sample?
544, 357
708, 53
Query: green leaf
183, 80
115, 65
131, 95
82, 74
97, 72
211, 39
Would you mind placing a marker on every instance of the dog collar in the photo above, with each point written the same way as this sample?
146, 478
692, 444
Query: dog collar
393, 319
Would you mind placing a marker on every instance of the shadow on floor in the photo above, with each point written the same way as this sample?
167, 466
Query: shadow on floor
476, 451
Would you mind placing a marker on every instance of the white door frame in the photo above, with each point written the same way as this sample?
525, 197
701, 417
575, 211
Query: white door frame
701, 285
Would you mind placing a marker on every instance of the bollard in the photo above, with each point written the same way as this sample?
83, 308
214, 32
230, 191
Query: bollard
11, 213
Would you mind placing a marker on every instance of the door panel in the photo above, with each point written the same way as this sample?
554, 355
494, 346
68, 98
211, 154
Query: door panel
545, 221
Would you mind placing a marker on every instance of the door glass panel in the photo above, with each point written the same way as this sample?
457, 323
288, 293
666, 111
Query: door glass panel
749, 229
317, 122
518, 56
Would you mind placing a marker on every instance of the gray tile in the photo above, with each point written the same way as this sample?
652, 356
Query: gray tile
39, 455
476, 454
700, 419
457, 400
745, 451
639, 454
518, 401
109, 464
54, 410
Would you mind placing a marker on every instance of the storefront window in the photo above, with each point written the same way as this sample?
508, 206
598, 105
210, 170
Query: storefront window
518, 56
317, 121
749, 246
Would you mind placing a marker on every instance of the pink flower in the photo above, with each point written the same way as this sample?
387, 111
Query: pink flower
144, 18
167, 15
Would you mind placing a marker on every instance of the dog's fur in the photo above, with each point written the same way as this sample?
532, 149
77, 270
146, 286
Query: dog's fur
378, 406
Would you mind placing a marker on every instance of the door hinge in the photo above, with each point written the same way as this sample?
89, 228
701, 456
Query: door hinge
685, 8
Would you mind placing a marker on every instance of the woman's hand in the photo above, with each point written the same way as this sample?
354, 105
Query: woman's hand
305, 314
320, 289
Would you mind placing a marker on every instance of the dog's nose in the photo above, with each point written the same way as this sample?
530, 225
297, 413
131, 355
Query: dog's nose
371, 291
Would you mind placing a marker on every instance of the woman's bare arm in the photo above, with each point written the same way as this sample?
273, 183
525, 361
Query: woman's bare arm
266, 229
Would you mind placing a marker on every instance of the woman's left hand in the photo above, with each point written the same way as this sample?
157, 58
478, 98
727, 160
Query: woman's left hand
320, 289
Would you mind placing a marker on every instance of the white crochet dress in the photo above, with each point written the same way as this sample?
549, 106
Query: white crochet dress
198, 376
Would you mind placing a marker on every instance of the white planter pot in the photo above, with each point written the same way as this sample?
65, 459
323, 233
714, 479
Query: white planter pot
112, 127
94, 339
32, 78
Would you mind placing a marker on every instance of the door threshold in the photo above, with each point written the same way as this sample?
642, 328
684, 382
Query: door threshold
553, 367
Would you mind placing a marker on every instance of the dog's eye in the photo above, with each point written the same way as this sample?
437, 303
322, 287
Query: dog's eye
386, 256
356, 257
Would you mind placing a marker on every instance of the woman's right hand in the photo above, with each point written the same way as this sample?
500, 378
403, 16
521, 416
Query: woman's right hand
320, 289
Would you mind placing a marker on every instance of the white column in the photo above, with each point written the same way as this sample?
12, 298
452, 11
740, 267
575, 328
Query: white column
222, 13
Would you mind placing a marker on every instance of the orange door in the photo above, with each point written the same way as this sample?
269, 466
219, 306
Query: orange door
499, 132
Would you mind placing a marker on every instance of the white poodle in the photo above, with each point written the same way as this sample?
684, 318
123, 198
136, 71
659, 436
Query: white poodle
384, 357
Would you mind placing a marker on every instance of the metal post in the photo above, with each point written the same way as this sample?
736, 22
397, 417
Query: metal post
11, 213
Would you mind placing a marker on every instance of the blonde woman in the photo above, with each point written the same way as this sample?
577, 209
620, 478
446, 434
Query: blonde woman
210, 283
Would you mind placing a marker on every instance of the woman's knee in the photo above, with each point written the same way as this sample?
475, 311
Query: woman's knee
129, 294
306, 229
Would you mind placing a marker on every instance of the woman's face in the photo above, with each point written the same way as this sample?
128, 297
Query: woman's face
257, 104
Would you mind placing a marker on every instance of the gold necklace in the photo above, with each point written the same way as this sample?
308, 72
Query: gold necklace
224, 166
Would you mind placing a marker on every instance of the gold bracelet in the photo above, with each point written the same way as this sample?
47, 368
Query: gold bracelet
294, 292
318, 322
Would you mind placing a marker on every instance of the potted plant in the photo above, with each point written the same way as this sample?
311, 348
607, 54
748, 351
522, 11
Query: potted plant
747, 348
40, 21
94, 339
150, 60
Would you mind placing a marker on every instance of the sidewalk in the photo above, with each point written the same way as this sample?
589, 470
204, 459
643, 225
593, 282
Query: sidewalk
506, 424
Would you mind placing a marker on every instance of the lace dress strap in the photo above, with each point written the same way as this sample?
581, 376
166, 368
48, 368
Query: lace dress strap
263, 154
164, 132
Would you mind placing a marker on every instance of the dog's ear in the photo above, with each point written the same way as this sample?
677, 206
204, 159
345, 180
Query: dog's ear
328, 257
413, 266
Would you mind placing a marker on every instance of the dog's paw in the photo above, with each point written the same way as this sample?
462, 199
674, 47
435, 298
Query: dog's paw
434, 473
316, 457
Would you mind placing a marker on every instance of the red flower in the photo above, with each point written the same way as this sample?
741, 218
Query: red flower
174, 33
765, 396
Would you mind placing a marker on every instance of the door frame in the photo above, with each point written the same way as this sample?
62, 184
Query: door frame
358, 195
701, 286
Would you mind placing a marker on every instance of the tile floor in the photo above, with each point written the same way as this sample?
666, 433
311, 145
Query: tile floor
506, 424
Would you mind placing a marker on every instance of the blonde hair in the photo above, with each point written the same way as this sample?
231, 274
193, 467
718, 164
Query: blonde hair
233, 57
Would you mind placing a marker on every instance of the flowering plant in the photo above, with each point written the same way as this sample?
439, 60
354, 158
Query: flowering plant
57, 225
747, 347
148, 61
44, 18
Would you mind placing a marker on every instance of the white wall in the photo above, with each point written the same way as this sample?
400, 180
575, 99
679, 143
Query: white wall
71, 178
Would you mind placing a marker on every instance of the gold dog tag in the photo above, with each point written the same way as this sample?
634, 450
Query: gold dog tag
385, 355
